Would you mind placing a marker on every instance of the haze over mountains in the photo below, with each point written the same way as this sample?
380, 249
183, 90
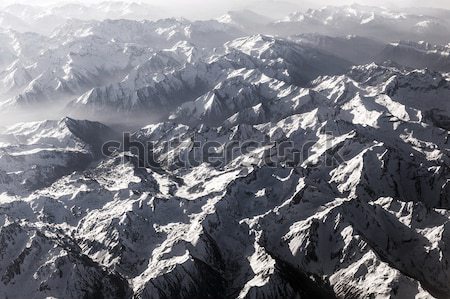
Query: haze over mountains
339, 186
81, 53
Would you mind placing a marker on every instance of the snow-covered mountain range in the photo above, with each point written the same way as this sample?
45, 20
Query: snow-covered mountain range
307, 157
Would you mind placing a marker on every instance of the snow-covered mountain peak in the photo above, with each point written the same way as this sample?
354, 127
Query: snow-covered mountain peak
375, 22
64, 133
255, 45
303, 158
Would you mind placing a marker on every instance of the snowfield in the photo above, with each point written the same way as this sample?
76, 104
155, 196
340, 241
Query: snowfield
337, 186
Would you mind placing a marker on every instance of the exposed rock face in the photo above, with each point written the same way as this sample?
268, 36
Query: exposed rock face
304, 167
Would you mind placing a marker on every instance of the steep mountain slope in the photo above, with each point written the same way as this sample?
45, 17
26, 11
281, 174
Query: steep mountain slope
36, 154
361, 50
257, 166
417, 55
358, 50
81, 56
245, 58
410, 88
333, 215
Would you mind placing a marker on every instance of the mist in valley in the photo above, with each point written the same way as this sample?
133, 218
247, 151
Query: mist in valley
56, 56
